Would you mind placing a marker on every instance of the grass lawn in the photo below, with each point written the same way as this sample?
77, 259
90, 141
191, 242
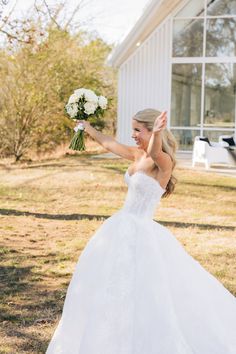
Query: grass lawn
48, 212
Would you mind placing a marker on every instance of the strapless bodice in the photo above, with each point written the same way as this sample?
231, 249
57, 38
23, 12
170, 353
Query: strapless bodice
144, 194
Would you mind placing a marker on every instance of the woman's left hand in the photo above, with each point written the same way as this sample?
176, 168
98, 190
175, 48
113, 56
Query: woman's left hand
160, 122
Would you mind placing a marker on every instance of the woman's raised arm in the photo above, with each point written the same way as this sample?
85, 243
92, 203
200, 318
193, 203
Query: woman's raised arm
160, 158
109, 143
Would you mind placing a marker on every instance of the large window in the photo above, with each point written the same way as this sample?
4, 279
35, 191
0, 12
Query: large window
185, 138
221, 7
203, 98
221, 37
184, 32
186, 94
219, 99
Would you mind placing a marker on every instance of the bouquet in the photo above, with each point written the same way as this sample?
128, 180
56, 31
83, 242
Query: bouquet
82, 104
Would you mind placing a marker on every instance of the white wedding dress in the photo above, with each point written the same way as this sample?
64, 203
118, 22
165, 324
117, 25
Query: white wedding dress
135, 290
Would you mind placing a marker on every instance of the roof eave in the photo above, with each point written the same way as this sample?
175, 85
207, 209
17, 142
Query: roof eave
154, 14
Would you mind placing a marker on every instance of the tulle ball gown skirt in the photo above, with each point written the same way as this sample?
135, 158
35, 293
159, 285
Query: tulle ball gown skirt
135, 290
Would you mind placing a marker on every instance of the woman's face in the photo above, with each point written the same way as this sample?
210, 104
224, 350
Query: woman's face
140, 134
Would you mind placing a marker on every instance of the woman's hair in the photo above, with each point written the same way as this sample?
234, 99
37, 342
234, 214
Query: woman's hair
169, 144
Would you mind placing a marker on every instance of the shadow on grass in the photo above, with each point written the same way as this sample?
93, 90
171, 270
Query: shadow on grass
220, 186
14, 212
32, 342
26, 306
12, 279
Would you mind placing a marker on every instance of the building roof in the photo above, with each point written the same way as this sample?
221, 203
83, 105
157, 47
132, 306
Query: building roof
154, 13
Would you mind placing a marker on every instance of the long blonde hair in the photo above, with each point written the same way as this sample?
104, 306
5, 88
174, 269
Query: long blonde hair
169, 144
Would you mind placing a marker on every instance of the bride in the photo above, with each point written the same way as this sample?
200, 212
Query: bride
135, 290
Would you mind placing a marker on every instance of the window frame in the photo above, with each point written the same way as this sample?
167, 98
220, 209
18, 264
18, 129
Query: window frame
198, 60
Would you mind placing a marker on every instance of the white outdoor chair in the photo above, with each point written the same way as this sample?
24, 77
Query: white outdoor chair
214, 154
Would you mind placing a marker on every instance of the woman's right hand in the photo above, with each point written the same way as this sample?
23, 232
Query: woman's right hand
84, 122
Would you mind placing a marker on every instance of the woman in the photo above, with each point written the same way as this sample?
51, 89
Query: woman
135, 289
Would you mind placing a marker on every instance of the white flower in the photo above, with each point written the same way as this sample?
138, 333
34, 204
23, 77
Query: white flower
73, 99
72, 109
90, 96
80, 92
90, 107
102, 101
88, 104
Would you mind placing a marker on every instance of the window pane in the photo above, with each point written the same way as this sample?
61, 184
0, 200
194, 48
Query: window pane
186, 94
185, 138
192, 9
184, 31
214, 135
221, 7
221, 37
220, 90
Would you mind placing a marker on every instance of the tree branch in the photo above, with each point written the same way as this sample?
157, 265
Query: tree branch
50, 14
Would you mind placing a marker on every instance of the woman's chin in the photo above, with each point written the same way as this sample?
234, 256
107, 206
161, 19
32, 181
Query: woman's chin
139, 146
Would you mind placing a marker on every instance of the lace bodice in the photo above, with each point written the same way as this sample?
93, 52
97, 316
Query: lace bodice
144, 194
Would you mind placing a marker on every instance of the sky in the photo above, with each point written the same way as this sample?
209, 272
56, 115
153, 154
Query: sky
112, 19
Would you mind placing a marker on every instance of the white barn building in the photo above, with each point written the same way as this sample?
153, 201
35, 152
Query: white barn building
181, 57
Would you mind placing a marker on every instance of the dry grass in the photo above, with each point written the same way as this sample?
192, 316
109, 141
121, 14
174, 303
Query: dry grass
49, 210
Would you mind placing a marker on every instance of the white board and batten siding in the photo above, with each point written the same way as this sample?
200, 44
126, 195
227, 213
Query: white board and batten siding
144, 80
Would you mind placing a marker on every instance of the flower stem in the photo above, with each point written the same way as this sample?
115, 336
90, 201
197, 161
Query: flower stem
77, 142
